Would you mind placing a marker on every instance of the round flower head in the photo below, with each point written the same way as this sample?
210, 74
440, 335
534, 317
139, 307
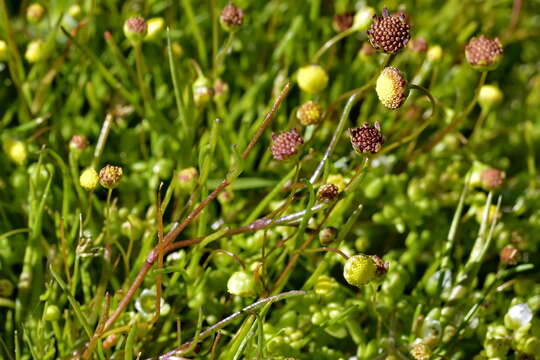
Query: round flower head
483, 53
89, 179
155, 28
327, 235
389, 33
518, 316
434, 53
492, 178
35, 51
110, 176
312, 78
309, 113
3, 50
509, 255
327, 192
391, 88
202, 91
366, 138
359, 270
489, 96
187, 178
16, 151
241, 283
342, 22
418, 45
231, 17
285, 144
34, 13
135, 29
78, 143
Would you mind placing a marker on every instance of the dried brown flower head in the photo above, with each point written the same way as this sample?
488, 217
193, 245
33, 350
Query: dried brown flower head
285, 144
366, 138
509, 255
389, 33
327, 192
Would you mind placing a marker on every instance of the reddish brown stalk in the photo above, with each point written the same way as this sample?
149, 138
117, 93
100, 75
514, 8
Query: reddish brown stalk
167, 244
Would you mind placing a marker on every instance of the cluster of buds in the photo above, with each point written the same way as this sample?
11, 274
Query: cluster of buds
286, 144
366, 138
389, 33
483, 53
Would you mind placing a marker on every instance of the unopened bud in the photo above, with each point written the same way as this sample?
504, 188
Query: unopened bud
312, 79
35, 51
202, 91
359, 270
89, 179
231, 17
135, 29
34, 13
155, 28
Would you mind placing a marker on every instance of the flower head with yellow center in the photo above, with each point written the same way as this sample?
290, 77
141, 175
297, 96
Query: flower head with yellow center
391, 87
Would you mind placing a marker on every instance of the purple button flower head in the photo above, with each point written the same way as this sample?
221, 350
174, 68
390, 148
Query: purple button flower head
231, 17
389, 33
484, 53
366, 138
286, 144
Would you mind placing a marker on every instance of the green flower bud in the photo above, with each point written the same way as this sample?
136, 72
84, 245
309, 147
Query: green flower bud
325, 286
434, 53
16, 151
135, 29
34, 13
221, 91
359, 270
312, 79
52, 313
202, 91
78, 143
518, 316
489, 96
531, 346
35, 51
146, 304
89, 179
363, 18
328, 235
6, 288
241, 283
155, 28
75, 11
187, 178
3, 50
110, 176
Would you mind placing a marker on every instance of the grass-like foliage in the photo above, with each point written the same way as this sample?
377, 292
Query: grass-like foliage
277, 179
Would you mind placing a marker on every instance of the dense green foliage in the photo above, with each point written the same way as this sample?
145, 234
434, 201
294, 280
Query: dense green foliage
207, 211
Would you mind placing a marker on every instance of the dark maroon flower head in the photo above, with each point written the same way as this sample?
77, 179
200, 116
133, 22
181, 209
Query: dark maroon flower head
389, 33
484, 53
366, 138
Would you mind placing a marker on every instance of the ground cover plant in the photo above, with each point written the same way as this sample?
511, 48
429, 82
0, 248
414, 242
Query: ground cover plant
269, 179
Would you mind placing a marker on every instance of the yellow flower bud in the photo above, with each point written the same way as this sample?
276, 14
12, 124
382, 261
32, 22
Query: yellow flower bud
363, 18
89, 179
434, 53
155, 28
34, 13
3, 50
16, 151
312, 78
241, 283
359, 270
391, 88
489, 96
35, 51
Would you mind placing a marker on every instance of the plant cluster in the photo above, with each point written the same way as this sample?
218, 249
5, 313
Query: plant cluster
269, 180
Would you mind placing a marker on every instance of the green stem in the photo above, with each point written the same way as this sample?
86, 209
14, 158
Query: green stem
327, 45
201, 44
